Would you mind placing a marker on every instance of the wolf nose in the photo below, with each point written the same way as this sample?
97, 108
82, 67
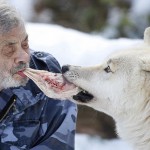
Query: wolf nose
65, 68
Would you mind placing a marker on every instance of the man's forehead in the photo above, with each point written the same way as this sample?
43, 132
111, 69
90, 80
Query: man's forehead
15, 35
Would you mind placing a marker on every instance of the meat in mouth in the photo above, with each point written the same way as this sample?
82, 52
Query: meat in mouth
21, 74
48, 80
57, 82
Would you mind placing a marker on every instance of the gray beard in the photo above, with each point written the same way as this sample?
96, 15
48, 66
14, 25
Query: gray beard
10, 82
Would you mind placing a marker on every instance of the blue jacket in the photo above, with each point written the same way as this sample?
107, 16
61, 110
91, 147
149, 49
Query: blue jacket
32, 121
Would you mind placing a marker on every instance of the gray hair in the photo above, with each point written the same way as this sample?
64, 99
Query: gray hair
9, 17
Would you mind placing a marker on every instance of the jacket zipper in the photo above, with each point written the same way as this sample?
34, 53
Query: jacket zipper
7, 108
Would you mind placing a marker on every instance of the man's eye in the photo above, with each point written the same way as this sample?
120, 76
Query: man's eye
8, 50
107, 69
25, 45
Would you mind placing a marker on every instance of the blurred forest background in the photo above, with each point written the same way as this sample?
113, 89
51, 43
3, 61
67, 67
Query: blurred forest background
110, 18
107, 18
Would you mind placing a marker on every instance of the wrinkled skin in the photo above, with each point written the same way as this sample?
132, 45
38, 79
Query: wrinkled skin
14, 57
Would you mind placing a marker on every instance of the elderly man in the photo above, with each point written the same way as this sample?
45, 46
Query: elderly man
29, 120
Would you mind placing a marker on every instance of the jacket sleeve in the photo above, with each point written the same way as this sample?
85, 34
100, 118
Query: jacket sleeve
59, 126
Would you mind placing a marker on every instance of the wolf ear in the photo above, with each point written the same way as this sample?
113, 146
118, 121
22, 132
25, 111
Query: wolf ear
147, 36
146, 67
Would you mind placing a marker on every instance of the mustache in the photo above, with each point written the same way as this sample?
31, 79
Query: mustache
21, 66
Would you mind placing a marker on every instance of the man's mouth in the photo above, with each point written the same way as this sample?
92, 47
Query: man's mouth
21, 73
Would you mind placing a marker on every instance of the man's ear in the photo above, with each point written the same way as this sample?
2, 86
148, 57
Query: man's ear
147, 36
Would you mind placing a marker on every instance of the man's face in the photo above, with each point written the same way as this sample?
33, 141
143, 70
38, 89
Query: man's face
14, 57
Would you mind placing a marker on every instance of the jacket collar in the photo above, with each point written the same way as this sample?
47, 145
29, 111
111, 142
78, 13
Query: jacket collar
23, 99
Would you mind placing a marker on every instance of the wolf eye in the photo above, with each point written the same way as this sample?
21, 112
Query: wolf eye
107, 69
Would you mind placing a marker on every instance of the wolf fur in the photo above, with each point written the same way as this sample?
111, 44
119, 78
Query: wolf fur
121, 88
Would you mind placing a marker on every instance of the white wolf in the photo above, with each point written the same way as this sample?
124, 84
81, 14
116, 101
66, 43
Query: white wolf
119, 87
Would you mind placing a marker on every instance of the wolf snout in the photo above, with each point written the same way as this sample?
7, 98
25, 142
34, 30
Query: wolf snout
65, 68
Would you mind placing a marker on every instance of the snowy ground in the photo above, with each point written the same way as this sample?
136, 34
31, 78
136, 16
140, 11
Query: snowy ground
73, 47
85, 142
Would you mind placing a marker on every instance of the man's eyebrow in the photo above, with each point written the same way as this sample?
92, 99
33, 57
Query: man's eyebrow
12, 43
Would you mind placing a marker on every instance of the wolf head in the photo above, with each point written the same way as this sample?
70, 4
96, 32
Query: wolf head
120, 84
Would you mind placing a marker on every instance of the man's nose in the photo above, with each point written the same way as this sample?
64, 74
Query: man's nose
22, 56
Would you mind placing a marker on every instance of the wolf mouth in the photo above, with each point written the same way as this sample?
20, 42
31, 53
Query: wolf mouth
83, 96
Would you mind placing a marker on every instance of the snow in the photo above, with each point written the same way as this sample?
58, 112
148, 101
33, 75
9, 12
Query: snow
73, 47
96, 143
